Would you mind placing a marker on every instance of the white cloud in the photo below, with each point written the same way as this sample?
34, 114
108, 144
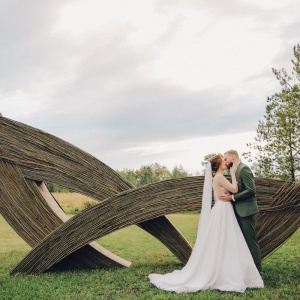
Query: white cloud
190, 152
222, 56
158, 77
14, 104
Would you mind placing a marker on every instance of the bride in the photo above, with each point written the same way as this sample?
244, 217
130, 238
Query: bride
221, 258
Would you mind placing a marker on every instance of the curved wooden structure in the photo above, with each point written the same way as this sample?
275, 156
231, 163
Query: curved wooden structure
29, 157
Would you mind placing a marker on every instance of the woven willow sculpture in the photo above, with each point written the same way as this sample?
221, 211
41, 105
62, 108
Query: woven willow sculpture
29, 157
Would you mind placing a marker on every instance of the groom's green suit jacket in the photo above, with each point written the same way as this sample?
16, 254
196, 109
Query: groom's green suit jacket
245, 200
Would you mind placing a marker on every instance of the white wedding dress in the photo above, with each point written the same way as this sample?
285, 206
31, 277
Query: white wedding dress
220, 258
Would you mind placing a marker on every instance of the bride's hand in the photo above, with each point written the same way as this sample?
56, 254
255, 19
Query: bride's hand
233, 169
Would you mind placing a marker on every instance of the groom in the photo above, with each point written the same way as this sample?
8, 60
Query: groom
244, 203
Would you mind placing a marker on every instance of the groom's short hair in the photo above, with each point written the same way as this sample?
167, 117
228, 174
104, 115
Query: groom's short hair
232, 152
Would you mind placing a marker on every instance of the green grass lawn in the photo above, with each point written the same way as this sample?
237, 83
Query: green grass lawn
281, 270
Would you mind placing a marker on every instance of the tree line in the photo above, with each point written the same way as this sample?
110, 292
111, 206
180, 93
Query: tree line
152, 173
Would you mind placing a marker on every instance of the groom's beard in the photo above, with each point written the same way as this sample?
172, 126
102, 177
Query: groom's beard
229, 165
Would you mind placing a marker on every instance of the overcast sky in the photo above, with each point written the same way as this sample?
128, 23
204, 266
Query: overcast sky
135, 82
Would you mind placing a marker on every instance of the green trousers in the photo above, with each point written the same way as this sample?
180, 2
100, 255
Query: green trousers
247, 225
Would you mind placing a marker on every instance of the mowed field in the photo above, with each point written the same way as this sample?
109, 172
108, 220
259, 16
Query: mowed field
281, 269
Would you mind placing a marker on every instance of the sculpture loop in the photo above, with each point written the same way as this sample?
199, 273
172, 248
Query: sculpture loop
29, 157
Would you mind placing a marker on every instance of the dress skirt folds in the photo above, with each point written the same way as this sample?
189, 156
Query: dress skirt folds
220, 258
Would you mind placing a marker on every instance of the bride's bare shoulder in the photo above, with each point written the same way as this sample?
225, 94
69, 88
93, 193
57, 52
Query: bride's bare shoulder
219, 176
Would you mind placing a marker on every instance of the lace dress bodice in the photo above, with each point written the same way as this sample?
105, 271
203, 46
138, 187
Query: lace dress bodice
223, 191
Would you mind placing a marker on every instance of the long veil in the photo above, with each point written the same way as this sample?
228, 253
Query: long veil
206, 202
204, 219
179, 280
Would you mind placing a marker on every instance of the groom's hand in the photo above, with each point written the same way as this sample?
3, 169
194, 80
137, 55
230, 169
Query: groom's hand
226, 197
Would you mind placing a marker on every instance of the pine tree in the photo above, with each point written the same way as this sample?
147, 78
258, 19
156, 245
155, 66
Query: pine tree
278, 136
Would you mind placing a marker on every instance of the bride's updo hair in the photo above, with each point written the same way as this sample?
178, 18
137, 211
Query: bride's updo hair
216, 162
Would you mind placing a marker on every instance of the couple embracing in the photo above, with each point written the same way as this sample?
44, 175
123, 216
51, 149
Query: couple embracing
226, 254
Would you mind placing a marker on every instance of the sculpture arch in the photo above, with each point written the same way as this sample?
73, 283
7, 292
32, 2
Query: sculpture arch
29, 157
